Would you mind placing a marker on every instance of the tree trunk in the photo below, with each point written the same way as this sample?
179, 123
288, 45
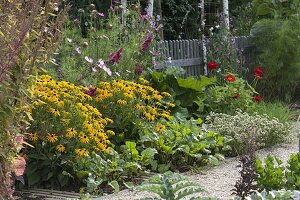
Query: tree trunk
150, 8
226, 13
202, 17
124, 7
159, 11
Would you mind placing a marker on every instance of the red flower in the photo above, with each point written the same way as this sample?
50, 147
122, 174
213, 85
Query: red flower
230, 78
236, 96
258, 98
258, 73
212, 65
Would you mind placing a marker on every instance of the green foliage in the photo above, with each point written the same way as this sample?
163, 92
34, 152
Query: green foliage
243, 17
184, 143
113, 169
278, 110
242, 127
293, 172
273, 175
276, 40
88, 59
181, 19
276, 195
171, 186
188, 93
48, 169
226, 97
276, 8
222, 50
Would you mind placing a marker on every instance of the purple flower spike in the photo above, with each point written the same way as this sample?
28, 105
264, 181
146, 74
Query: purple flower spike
147, 42
115, 57
91, 91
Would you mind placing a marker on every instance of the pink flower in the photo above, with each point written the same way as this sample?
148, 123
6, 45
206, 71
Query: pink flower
144, 17
102, 65
19, 165
88, 59
77, 49
100, 14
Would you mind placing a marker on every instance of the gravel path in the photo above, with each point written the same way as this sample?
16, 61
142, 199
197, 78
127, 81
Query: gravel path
218, 181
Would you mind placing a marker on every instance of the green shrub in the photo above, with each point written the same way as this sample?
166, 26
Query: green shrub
272, 175
242, 126
183, 143
117, 170
227, 96
278, 45
188, 93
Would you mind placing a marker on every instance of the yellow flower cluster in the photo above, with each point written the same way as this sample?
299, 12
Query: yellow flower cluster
150, 103
67, 107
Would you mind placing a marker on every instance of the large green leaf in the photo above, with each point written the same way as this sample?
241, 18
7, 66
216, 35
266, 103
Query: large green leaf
115, 185
132, 147
194, 84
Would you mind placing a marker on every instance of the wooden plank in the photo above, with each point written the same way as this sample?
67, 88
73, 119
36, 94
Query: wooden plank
167, 53
171, 49
53, 194
180, 63
174, 50
187, 49
181, 49
177, 49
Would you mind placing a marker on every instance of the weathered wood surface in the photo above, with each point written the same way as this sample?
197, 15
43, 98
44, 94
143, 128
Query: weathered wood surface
188, 54
52, 194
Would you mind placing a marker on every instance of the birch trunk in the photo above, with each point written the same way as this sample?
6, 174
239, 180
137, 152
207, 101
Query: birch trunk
150, 8
124, 7
202, 17
226, 13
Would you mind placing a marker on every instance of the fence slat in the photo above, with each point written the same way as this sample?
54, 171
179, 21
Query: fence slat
181, 49
188, 54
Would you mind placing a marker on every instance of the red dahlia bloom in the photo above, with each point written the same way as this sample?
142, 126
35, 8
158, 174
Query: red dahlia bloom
212, 65
258, 98
230, 78
258, 73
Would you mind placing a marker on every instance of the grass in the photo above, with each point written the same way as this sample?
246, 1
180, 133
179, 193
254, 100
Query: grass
279, 110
